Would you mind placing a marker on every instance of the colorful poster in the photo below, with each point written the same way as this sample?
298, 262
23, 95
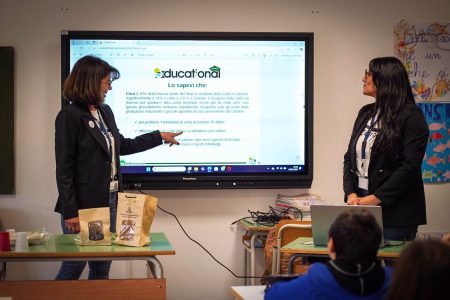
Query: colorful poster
424, 49
436, 163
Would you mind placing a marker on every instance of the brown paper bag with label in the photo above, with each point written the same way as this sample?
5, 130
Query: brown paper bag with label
94, 226
135, 213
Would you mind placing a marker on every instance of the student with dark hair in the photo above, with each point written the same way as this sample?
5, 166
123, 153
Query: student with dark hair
87, 149
382, 165
354, 272
422, 272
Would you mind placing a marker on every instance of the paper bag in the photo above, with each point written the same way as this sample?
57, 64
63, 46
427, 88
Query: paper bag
94, 226
135, 213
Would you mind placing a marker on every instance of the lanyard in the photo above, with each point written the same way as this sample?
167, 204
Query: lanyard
366, 137
104, 130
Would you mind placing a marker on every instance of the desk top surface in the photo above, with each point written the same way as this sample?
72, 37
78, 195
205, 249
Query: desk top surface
250, 292
67, 246
251, 226
304, 245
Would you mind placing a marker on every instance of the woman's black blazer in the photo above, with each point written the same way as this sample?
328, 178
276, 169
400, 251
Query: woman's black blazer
83, 163
395, 179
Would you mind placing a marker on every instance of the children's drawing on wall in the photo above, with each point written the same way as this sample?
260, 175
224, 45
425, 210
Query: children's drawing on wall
424, 49
436, 163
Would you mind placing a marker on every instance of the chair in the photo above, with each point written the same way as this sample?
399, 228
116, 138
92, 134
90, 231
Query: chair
286, 232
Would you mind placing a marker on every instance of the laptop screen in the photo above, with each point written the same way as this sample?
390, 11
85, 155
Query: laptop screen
322, 216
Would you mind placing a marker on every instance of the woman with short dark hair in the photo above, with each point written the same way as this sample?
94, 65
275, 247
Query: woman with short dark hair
87, 149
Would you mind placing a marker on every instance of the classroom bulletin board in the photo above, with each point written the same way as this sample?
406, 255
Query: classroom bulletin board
424, 49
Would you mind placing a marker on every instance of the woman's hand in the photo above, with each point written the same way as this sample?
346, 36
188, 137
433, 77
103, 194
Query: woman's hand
369, 200
169, 137
73, 225
352, 199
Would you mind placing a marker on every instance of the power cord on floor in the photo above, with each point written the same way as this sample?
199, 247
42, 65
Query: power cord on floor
200, 245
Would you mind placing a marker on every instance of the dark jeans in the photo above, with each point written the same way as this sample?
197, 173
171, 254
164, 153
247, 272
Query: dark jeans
394, 233
400, 233
71, 270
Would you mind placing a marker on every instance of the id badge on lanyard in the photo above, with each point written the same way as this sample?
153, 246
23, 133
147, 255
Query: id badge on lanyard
363, 183
113, 186
114, 183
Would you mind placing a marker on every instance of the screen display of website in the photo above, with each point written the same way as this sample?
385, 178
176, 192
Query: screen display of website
240, 104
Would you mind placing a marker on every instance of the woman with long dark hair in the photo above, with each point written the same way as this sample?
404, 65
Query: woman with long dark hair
382, 165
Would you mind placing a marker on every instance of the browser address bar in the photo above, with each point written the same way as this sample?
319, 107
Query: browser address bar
169, 169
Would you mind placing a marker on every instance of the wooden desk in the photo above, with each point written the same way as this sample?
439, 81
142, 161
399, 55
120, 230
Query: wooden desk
132, 289
254, 292
63, 247
253, 232
305, 247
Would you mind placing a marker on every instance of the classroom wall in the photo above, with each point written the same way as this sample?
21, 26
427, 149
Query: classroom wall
347, 35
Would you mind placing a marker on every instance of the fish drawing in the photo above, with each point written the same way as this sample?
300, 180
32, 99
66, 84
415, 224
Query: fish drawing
447, 175
436, 126
441, 147
436, 136
434, 160
428, 175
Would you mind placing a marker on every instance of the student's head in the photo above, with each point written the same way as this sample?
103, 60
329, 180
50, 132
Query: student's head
89, 81
354, 236
421, 272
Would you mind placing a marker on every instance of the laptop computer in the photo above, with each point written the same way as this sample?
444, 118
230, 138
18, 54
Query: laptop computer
322, 216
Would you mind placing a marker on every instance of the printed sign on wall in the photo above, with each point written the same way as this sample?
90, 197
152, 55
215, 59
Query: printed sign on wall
424, 49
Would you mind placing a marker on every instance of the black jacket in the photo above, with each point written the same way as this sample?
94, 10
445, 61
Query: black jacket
395, 179
83, 163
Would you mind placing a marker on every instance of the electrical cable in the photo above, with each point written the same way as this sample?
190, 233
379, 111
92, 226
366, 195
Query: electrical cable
270, 218
389, 243
240, 220
200, 245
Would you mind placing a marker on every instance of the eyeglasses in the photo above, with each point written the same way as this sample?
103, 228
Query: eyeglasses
367, 73
108, 82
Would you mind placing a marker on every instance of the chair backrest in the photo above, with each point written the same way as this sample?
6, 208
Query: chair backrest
290, 233
286, 232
